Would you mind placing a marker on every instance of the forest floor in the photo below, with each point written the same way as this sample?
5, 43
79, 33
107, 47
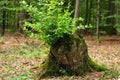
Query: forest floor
20, 56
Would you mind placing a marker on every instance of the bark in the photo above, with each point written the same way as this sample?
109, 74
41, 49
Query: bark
87, 12
88, 15
77, 11
69, 55
90, 10
98, 13
3, 20
111, 21
76, 15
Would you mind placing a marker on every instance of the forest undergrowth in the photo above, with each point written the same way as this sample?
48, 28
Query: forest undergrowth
20, 57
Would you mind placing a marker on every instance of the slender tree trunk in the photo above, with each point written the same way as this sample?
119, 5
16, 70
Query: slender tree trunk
77, 11
98, 13
111, 11
3, 20
90, 9
117, 18
88, 15
111, 21
76, 15
87, 12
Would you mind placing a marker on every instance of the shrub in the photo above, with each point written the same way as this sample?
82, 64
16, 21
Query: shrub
51, 20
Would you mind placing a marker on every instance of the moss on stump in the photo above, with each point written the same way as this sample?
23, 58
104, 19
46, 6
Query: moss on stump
69, 55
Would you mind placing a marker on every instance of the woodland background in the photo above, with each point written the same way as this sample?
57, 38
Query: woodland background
20, 54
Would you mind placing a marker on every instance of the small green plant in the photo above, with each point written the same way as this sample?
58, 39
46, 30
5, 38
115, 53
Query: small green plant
21, 77
63, 72
110, 74
32, 51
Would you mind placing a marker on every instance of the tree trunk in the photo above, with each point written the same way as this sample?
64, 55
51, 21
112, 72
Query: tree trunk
97, 24
68, 56
3, 20
111, 21
77, 11
87, 12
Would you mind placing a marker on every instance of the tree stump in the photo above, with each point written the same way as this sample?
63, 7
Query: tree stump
69, 55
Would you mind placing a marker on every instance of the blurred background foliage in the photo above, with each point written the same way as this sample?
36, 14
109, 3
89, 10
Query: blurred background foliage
13, 15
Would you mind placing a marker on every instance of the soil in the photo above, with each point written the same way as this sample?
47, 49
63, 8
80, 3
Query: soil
106, 51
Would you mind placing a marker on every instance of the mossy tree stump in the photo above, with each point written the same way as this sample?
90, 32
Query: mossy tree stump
69, 55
